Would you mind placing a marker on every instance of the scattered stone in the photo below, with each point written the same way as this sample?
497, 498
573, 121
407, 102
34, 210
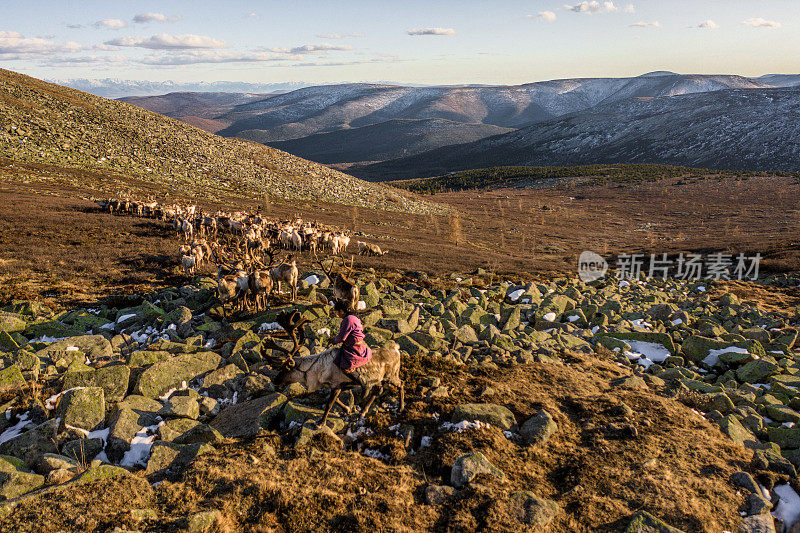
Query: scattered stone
538, 429
470, 465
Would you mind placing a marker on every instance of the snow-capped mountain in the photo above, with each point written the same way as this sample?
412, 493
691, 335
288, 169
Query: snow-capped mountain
728, 129
117, 88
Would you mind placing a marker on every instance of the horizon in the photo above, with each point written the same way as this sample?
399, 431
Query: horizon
512, 43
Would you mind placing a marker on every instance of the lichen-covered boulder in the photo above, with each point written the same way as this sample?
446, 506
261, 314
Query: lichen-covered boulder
539, 428
248, 418
83, 408
113, 379
468, 466
33, 444
165, 375
491, 413
15, 481
169, 458
531, 510
11, 322
92, 346
11, 378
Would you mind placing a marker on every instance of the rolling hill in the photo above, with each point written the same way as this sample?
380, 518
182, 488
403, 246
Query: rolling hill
43, 123
731, 129
379, 142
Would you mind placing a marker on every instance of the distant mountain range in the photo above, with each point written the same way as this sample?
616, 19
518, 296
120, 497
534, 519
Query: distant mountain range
117, 88
366, 123
731, 129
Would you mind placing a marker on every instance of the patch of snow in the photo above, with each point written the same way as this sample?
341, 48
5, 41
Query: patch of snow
210, 343
375, 454
595, 329
788, 508
123, 318
313, 279
640, 323
788, 424
573, 318
108, 326
514, 296
72, 349
48, 339
50, 403
269, 326
359, 432
141, 444
677, 322
323, 331
647, 353
425, 441
624, 283
17, 429
713, 355
102, 457
462, 426
361, 305
550, 317
701, 288
99, 434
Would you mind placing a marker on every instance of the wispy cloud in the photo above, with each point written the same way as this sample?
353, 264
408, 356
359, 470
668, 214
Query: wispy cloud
642, 24
164, 41
761, 23
336, 36
306, 49
593, 7
87, 61
211, 56
143, 18
74, 26
548, 16
252, 15
111, 24
708, 25
432, 31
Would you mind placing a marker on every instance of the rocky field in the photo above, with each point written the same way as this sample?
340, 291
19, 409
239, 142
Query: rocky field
557, 405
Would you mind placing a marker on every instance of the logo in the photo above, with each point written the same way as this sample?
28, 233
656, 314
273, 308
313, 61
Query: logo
591, 266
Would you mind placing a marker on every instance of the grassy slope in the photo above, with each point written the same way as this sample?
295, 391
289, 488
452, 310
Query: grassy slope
47, 123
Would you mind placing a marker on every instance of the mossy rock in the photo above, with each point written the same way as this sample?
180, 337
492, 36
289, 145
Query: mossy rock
15, 482
113, 379
172, 373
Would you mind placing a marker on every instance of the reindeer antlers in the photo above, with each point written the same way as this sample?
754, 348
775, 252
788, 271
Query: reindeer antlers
293, 323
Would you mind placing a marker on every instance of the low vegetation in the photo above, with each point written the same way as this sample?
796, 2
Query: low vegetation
530, 176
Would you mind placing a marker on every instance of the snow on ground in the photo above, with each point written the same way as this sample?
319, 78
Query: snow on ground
17, 429
361, 305
514, 296
313, 279
464, 425
647, 353
140, 447
269, 326
677, 322
640, 323
713, 355
550, 317
123, 318
788, 508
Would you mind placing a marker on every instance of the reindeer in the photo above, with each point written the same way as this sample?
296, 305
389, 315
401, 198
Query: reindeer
286, 272
260, 282
318, 371
344, 289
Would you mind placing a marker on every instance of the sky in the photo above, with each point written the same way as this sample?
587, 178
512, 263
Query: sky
433, 42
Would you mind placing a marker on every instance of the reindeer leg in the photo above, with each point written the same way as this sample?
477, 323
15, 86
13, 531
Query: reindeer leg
372, 396
402, 390
334, 397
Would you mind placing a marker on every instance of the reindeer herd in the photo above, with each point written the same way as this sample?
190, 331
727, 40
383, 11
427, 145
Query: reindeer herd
244, 248
238, 245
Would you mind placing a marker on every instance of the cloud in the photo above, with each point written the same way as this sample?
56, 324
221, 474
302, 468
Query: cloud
336, 36
74, 26
432, 31
708, 25
593, 6
654, 24
548, 16
164, 41
307, 49
252, 15
87, 61
761, 23
14, 46
143, 18
111, 24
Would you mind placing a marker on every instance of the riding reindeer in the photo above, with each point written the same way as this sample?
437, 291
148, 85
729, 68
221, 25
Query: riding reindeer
318, 371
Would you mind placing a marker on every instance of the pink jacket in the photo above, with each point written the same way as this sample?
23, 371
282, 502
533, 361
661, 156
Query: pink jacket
354, 351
